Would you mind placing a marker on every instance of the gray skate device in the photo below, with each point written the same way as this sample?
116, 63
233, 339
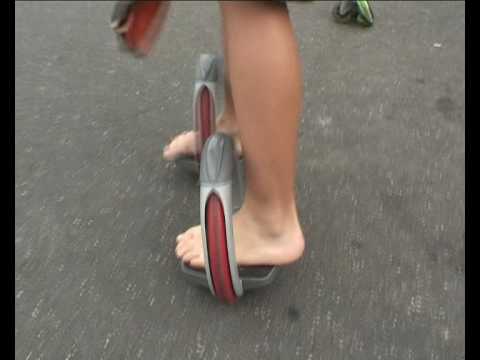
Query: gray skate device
218, 168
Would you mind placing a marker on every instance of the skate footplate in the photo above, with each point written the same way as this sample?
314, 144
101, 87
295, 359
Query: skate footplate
252, 277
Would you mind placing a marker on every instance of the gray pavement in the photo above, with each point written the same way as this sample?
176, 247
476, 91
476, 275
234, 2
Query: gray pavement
381, 192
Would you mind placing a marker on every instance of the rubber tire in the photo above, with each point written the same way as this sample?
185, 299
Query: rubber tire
144, 28
206, 112
217, 250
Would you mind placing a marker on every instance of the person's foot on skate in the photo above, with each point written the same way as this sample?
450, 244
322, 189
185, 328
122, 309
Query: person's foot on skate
184, 144
259, 240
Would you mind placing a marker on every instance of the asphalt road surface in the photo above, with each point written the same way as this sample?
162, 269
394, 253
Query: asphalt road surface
380, 188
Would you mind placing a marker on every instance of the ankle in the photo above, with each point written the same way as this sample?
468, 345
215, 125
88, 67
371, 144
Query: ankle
226, 123
275, 219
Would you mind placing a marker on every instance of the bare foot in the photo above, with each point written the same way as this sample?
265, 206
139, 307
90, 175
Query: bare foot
184, 144
255, 243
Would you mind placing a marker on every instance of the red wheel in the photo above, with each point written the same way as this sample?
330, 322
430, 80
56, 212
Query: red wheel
217, 250
145, 20
205, 117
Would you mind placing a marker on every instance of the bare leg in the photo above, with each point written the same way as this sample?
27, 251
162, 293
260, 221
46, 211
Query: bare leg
228, 119
266, 78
